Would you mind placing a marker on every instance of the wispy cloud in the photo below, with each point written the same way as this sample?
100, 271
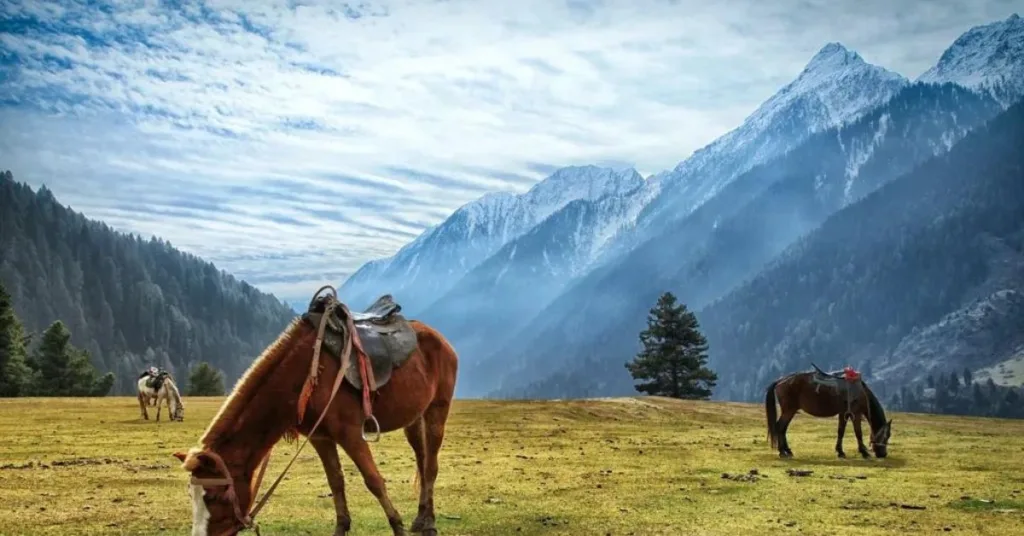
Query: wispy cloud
289, 142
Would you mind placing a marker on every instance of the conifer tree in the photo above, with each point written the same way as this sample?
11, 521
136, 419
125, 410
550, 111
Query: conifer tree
674, 356
15, 375
63, 370
205, 380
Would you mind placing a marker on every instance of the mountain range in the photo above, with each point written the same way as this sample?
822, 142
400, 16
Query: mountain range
543, 294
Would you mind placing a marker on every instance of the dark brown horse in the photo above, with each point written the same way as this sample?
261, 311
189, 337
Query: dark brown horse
826, 395
285, 393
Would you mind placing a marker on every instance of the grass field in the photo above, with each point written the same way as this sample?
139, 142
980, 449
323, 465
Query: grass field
620, 466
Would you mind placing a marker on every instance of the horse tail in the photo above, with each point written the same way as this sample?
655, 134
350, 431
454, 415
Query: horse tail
771, 413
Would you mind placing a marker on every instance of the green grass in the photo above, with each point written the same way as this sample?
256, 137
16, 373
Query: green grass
619, 466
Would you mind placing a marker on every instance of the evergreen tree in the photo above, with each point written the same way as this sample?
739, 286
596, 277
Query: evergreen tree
205, 380
968, 377
674, 357
981, 403
15, 375
1011, 404
63, 370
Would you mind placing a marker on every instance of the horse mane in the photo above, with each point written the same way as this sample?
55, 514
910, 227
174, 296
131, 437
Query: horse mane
250, 382
875, 412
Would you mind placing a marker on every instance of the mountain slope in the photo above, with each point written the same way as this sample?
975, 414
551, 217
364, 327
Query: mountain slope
496, 298
428, 267
987, 57
729, 238
986, 330
836, 87
504, 292
130, 302
913, 252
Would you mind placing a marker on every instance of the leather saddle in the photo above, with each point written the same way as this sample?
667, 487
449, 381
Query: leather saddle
155, 382
845, 382
386, 336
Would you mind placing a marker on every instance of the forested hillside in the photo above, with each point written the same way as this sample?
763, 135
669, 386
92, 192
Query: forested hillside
127, 301
913, 255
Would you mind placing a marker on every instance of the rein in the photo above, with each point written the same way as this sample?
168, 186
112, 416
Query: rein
247, 521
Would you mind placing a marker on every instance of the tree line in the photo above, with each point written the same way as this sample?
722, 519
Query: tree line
959, 394
900, 260
52, 366
127, 302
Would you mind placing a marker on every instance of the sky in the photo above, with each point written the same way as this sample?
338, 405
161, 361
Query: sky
290, 142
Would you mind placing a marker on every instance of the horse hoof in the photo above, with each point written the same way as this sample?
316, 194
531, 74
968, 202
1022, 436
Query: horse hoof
841, 454
785, 455
421, 526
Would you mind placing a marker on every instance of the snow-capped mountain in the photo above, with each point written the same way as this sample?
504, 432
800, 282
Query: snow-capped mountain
562, 264
429, 266
518, 281
835, 87
988, 57
734, 235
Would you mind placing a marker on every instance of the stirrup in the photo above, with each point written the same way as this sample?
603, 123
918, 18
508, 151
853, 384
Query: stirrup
376, 426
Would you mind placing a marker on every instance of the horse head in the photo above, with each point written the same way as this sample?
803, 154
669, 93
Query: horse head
880, 439
218, 498
179, 412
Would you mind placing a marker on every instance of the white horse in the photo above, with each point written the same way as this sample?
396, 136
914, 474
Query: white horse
168, 392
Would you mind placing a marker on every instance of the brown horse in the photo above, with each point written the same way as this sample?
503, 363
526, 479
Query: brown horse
826, 395
270, 402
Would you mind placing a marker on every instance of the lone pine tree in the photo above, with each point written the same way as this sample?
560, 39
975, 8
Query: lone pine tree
674, 358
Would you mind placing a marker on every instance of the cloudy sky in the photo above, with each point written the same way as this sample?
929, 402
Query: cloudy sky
289, 142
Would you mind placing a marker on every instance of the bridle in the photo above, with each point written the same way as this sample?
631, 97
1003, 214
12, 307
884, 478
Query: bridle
247, 520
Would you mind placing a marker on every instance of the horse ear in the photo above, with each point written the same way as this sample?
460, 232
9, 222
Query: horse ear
194, 459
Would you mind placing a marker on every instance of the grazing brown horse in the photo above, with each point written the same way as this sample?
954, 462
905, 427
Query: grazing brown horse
281, 395
823, 394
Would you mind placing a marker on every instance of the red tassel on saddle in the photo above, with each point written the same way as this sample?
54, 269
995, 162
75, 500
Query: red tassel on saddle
850, 375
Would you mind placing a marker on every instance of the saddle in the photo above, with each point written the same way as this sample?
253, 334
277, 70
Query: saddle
155, 382
386, 337
846, 383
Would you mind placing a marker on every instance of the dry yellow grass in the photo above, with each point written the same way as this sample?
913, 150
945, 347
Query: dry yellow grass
619, 466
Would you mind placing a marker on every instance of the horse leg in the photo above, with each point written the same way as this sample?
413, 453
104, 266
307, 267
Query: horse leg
328, 452
434, 420
159, 407
415, 435
842, 432
782, 426
359, 452
142, 406
860, 437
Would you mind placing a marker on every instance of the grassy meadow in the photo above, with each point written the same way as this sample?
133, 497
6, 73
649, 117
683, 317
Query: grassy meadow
590, 467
